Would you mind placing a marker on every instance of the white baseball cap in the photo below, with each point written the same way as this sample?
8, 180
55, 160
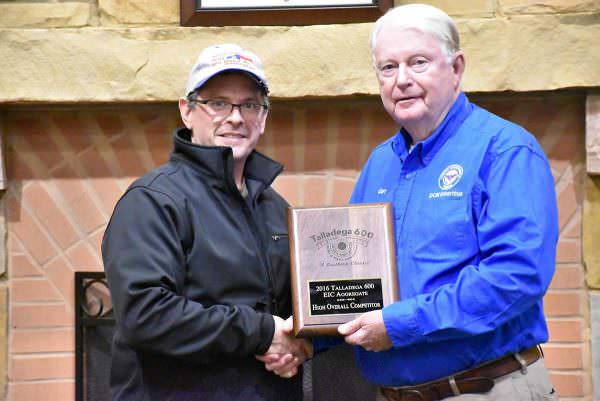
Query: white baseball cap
225, 57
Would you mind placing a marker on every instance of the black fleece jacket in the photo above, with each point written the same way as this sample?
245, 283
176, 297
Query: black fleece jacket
195, 272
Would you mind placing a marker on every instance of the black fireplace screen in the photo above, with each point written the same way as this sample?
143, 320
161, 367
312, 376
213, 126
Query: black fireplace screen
94, 326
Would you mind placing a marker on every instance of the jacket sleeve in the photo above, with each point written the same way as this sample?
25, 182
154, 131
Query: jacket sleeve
145, 263
516, 223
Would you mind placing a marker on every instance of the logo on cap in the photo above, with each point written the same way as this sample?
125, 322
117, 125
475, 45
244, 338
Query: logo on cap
233, 59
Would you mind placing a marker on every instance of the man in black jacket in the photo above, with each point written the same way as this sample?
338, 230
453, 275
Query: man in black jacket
196, 253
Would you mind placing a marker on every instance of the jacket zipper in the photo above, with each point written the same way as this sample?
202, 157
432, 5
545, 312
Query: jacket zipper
261, 247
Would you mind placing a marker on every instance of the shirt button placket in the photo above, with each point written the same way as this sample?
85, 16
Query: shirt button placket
401, 196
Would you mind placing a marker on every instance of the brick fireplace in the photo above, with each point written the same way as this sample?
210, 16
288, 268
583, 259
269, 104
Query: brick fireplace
67, 166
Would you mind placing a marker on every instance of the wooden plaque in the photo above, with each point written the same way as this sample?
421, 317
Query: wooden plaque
343, 264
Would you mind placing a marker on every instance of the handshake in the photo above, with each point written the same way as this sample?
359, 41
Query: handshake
287, 352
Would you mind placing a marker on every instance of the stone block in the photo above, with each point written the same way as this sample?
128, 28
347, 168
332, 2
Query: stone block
471, 8
523, 53
138, 12
527, 53
112, 65
592, 133
44, 15
3, 182
591, 231
547, 6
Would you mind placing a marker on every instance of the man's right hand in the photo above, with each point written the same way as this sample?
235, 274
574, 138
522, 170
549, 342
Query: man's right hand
286, 352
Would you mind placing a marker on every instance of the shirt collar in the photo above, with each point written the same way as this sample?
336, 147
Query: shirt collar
427, 149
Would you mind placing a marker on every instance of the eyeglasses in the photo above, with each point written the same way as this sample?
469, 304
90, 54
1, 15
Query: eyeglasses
222, 108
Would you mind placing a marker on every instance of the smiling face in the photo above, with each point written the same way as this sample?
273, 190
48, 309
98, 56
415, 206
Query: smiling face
231, 130
417, 82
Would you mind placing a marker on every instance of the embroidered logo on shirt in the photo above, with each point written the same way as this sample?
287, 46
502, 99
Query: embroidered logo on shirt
450, 176
381, 191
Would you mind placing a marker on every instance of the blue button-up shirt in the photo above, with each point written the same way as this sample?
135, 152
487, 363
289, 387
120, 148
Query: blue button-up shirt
476, 229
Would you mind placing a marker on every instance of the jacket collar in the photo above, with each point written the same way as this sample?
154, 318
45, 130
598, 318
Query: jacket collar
217, 161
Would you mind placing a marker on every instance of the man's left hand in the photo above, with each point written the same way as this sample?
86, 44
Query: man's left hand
368, 331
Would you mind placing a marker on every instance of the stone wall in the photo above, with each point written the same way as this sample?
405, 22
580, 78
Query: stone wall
135, 51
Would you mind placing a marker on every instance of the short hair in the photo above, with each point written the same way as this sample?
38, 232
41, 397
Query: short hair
425, 18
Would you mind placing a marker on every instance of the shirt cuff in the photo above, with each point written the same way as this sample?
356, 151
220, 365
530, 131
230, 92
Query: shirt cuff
400, 322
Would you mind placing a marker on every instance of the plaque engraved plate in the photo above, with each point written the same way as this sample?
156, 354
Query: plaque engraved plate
343, 264
333, 297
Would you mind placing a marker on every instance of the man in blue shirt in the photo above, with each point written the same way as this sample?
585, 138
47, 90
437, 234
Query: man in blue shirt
475, 225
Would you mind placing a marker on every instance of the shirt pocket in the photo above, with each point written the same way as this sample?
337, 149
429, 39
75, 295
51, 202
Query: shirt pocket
440, 230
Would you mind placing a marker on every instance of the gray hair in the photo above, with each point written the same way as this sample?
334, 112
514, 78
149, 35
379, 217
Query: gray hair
425, 18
